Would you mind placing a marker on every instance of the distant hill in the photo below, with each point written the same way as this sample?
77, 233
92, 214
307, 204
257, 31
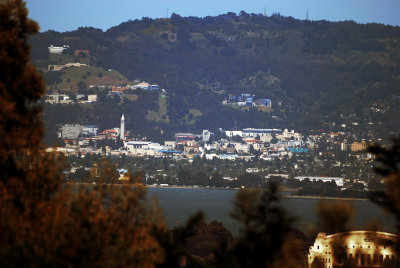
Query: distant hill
319, 75
73, 78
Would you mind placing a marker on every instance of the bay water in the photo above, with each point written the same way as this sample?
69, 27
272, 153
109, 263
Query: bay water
179, 203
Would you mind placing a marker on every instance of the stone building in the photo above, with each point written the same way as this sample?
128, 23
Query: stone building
354, 249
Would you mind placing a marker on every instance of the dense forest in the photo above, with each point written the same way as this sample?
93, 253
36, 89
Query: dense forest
313, 71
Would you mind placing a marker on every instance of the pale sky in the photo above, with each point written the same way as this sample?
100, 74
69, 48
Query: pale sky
68, 15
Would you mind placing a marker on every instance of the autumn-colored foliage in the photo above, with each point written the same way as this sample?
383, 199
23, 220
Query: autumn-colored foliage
42, 221
45, 223
334, 217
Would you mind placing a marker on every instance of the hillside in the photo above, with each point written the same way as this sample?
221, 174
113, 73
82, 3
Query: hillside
75, 78
318, 74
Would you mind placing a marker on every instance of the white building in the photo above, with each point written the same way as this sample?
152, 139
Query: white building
337, 180
92, 98
354, 249
71, 131
206, 135
57, 98
90, 130
241, 147
231, 133
145, 148
57, 50
170, 144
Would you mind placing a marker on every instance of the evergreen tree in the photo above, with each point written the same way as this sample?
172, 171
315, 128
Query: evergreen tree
42, 222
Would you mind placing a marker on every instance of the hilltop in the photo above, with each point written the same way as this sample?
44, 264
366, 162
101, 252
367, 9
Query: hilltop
319, 75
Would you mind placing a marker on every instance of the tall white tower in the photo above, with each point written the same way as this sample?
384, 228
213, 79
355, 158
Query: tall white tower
122, 129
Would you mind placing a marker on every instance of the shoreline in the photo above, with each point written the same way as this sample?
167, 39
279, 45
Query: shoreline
281, 189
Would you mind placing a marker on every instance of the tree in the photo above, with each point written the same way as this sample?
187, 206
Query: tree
28, 176
42, 222
104, 172
387, 165
334, 217
264, 239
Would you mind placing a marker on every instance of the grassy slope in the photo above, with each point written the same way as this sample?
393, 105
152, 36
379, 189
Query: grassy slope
90, 76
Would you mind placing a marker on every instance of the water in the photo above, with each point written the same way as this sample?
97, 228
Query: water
178, 204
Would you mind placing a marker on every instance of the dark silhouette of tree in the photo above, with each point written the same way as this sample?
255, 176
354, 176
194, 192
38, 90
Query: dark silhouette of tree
42, 222
334, 217
264, 239
175, 243
387, 164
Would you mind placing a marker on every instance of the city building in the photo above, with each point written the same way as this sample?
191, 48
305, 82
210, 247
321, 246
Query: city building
170, 144
185, 137
57, 50
138, 148
110, 134
90, 130
206, 135
57, 98
337, 180
154, 87
358, 146
354, 249
147, 86
263, 102
82, 52
71, 132
92, 98
232, 133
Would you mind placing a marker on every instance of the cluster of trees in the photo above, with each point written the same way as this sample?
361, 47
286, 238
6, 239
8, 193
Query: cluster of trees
203, 172
46, 223
316, 68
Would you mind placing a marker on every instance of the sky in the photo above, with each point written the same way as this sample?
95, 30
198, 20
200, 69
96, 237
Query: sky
68, 15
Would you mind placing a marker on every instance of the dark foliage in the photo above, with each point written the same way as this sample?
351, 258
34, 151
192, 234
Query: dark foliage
323, 68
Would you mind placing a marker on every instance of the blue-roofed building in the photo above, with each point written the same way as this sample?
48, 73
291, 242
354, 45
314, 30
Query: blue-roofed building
263, 102
249, 101
298, 150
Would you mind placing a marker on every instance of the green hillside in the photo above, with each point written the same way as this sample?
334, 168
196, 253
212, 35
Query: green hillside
317, 73
74, 78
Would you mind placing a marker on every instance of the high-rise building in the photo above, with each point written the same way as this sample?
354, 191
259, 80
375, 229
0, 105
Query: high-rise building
122, 129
